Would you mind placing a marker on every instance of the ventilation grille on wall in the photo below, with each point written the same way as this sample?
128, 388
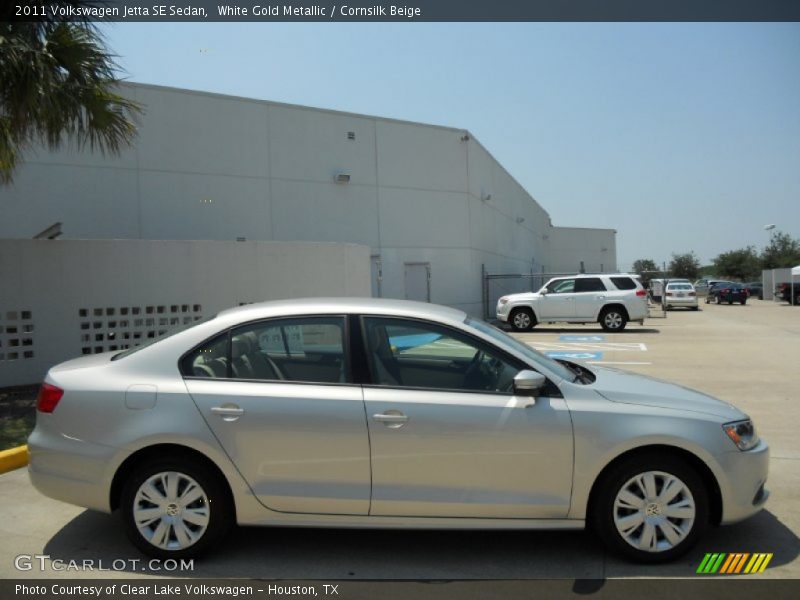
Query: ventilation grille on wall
16, 335
119, 328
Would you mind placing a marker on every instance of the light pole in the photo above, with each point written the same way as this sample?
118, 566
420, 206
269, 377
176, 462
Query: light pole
769, 227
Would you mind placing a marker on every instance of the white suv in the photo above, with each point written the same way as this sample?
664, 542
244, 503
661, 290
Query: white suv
609, 299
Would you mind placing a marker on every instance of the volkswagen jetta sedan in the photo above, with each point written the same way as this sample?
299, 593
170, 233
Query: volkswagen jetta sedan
385, 414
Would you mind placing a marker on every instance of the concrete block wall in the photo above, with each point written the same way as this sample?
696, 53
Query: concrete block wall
61, 299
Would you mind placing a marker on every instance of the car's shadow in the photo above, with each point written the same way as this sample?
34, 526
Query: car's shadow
298, 553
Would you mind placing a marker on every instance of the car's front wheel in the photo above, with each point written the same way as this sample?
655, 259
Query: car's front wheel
651, 508
522, 319
175, 508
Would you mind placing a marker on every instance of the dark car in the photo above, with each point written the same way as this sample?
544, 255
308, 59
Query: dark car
783, 291
715, 285
755, 289
729, 292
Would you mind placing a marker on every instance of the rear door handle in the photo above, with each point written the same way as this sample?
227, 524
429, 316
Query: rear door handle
393, 419
228, 412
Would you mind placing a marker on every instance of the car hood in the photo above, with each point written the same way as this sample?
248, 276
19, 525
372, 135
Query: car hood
631, 388
522, 296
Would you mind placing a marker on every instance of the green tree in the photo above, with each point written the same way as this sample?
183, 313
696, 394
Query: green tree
644, 264
641, 266
781, 252
57, 86
685, 266
743, 264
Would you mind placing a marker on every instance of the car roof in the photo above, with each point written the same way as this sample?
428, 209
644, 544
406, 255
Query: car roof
338, 306
582, 275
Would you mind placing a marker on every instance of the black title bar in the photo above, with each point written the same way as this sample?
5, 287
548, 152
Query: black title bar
400, 11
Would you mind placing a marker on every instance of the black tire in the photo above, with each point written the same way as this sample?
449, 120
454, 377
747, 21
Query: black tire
216, 504
522, 319
730, 301
743, 302
613, 319
695, 308
719, 300
619, 477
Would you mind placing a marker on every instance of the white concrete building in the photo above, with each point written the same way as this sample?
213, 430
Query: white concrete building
433, 206
431, 202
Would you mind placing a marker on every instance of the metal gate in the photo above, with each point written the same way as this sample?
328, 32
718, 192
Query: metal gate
418, 281
377, 276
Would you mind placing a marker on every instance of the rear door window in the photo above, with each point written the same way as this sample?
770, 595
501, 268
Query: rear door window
306, 349
589, 284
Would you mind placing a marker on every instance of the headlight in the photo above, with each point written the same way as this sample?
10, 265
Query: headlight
503, 300
742, 433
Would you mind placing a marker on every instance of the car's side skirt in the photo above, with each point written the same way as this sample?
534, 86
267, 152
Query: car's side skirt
349, 521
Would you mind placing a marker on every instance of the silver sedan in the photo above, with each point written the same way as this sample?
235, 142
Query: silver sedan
386, 414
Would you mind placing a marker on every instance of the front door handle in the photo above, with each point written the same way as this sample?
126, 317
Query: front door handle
228, 412
393, 419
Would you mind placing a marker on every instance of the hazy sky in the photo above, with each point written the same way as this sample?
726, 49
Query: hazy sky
680, 136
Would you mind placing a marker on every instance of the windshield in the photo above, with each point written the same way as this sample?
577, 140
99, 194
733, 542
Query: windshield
535, 356
168, 333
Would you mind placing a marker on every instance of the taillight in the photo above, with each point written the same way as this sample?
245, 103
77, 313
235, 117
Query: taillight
669, 294
641, 293
48, 398
692, 294
725, 291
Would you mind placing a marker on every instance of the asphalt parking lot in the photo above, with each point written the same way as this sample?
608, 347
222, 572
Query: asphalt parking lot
748, 355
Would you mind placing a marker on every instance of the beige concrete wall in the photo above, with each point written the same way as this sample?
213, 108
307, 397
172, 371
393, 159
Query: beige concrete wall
63, 298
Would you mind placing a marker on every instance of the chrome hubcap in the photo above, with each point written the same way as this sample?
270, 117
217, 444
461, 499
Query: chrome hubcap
654, 511
171, 510
522, 320
613, 320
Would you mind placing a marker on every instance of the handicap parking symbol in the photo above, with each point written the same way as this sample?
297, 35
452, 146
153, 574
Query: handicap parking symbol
582, 338
576, 355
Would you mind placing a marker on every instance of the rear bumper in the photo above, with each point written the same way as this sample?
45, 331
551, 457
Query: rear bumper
681, 301
743, 488
71, 470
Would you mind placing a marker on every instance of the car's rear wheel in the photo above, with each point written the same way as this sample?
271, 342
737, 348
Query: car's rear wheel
522, 319
744, 302
613, 319
175, 508
651, 508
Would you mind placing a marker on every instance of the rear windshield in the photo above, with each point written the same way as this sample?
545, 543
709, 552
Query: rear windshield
167, 334
680, 286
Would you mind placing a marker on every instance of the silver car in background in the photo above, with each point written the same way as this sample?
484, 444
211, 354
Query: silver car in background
680, 294
385, 414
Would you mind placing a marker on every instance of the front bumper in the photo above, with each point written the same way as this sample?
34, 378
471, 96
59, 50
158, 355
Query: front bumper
744, 475
502, 312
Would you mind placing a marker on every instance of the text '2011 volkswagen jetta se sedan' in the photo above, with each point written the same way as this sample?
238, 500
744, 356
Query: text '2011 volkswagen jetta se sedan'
386, 414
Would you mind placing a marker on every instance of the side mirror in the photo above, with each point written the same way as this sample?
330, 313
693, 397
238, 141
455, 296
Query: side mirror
528, 383
543, 291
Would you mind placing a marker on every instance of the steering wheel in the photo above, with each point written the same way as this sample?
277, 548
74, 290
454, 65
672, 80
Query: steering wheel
473, 365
